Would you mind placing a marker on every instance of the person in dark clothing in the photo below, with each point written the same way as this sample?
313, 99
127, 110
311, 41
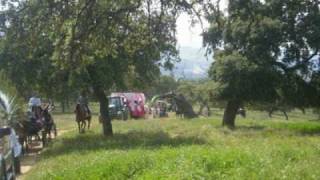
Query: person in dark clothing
83, 102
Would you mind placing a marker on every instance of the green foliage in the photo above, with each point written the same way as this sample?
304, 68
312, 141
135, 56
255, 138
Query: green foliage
240, 79
195, 89
10, 111
265, 51
11, 108
7, 86
162, 85
87, 44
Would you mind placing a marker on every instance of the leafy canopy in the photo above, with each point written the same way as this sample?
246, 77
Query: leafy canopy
265, 50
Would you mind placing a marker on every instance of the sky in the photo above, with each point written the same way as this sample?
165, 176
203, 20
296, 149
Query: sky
193, 63
191, 36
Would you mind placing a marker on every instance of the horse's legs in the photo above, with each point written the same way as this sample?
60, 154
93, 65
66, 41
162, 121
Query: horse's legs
79, 126
44, 138
27, 139
49, 130
38, 137
84, 124
89, 122
55, 130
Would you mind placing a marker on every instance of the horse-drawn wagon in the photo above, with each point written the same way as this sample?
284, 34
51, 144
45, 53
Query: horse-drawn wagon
39, 127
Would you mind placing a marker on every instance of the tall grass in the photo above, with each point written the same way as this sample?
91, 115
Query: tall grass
259, 148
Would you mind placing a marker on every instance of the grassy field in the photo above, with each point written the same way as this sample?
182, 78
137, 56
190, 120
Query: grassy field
259, 148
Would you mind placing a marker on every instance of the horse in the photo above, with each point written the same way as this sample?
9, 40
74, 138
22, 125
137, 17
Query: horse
48, 125
81, 117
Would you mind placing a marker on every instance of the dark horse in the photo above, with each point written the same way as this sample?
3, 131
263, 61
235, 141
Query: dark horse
82, 115
31, 127
48, 125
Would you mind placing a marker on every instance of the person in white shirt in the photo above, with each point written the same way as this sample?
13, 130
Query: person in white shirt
35, 106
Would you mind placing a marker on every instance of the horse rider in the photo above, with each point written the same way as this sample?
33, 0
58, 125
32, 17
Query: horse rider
83, 102
35, 111
35, 106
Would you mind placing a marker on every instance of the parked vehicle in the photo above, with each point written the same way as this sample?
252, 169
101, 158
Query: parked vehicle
133, 101
118, 108
10, 151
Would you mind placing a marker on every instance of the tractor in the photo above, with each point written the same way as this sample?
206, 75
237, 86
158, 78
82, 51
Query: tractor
118, 108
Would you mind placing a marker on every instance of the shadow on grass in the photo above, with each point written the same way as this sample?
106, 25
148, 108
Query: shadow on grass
250, 128
301, 129
314, 120
309, 131
72, 113
130, 140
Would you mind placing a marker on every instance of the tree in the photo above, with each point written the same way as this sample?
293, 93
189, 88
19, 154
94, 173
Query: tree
10, 102
97, 43
199, 92
264, 51
161, 85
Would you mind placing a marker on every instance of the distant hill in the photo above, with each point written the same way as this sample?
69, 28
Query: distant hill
194, 64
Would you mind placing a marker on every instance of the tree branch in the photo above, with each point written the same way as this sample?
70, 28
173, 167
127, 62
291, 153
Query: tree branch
300, 64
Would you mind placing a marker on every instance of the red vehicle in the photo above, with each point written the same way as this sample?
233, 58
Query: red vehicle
135, 101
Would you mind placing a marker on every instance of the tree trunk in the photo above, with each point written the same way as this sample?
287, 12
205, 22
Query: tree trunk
200, 109
103, 101
209, 110
230, 113
63, 109
104, 111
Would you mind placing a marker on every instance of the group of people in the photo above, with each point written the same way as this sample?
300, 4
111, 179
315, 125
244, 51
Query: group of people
35, 105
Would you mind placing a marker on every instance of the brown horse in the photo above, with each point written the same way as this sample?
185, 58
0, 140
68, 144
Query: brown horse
81, 117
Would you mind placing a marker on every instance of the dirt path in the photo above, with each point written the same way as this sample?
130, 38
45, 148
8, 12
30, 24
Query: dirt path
30, 159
